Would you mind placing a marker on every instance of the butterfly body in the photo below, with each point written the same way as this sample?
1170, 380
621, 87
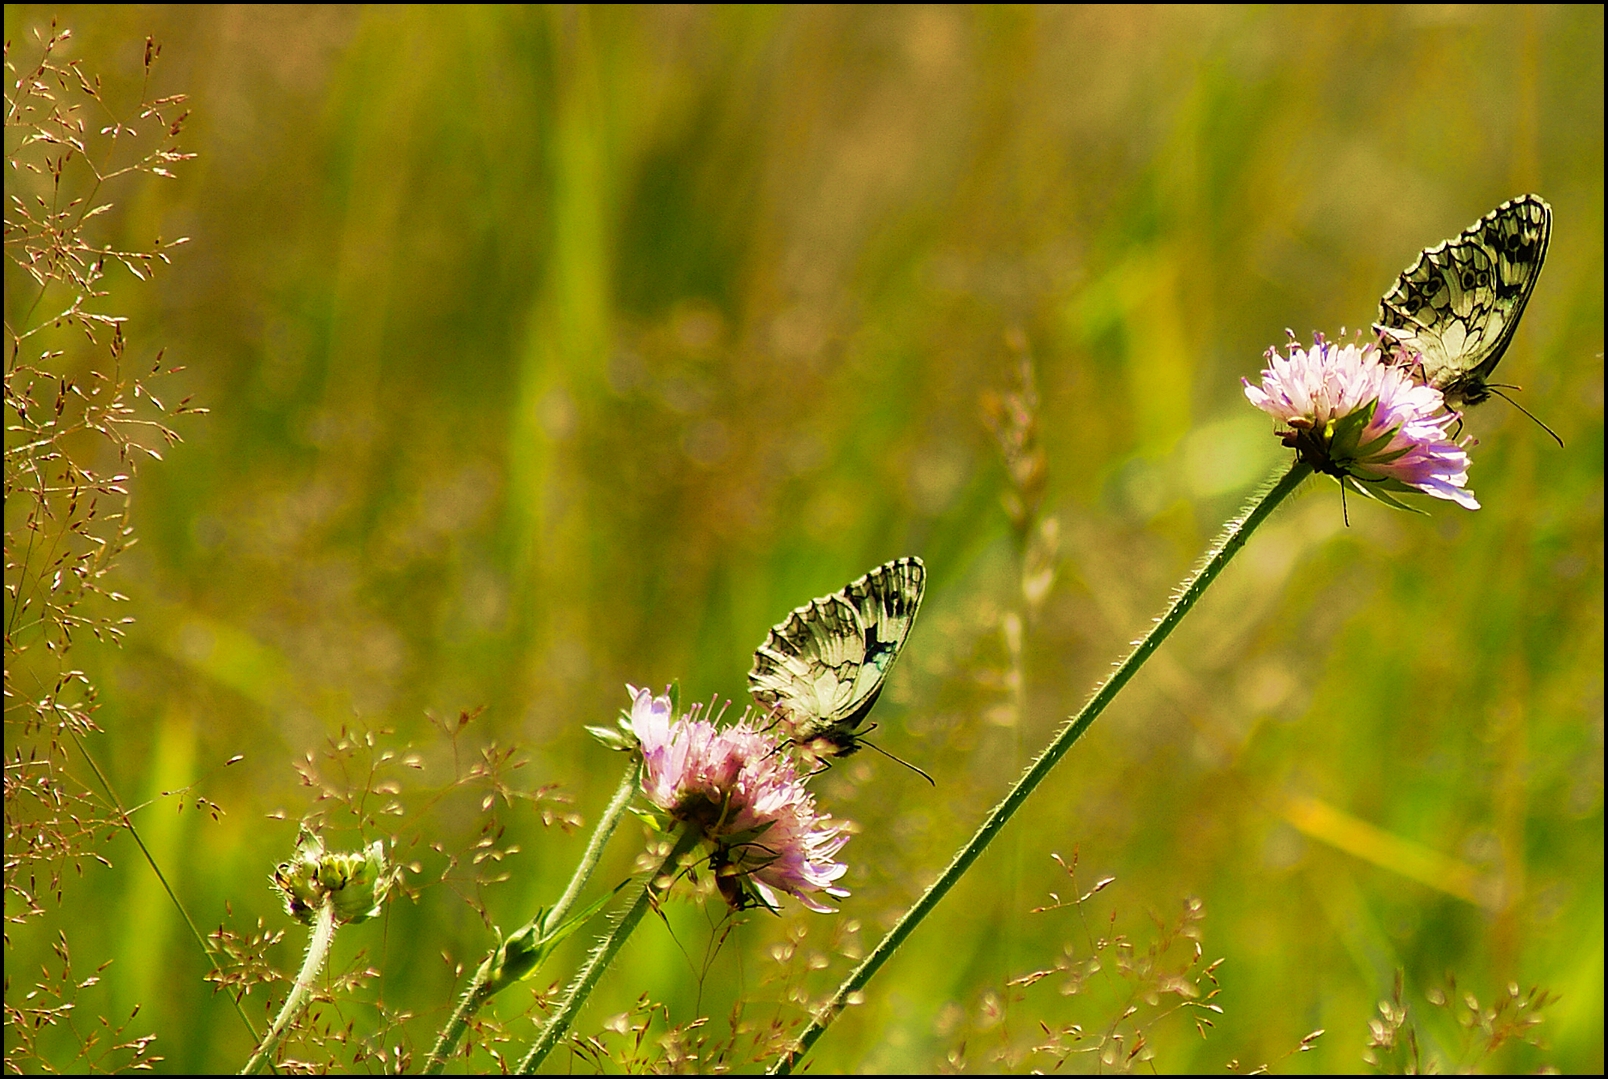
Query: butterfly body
821, 670
1453, 312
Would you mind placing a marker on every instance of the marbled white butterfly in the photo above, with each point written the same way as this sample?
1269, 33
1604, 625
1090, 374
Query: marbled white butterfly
1452, 313
820, 671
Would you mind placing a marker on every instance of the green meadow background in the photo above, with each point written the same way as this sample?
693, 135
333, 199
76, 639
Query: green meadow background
552, 350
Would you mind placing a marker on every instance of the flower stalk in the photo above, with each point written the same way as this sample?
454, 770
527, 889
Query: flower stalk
1233, 538
322, 889
658, 882
521, 954
317, 953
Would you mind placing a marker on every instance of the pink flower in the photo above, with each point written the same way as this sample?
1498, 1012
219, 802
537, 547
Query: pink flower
737, 785
779, 841
1365, 422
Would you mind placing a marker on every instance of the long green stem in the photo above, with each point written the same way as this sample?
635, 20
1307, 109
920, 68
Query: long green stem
605, 952
1232, 539
488, 981
156, 869
317, 953
594, 847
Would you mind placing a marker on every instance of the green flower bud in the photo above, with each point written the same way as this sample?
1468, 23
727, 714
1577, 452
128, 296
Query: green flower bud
356, 882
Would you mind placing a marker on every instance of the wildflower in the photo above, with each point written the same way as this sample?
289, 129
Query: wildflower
791, 848
1364, 422
737, 787
356, 881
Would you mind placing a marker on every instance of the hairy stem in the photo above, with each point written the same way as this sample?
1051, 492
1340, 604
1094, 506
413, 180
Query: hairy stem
317, 952
1233, 538
605, 952
486, 982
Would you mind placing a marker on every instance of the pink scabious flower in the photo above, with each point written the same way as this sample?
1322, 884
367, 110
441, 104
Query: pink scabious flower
736, 785
1365, 422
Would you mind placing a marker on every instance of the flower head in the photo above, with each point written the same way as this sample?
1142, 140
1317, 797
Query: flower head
736, 785
355, 882
778, 840
1364, 422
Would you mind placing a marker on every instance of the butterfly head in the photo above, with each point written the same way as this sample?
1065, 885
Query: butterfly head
1465, 390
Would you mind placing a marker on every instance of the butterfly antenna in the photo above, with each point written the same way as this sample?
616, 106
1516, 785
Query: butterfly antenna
906, 763
1498, 391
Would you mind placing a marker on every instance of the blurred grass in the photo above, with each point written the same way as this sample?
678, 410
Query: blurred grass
553, 349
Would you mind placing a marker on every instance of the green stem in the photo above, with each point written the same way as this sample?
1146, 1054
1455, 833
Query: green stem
317, 953
487, 981
605, 952
1232, 539
156, 869
600, 837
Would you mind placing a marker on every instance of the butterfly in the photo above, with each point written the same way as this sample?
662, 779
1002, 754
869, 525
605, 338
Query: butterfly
1453, 312
821, 670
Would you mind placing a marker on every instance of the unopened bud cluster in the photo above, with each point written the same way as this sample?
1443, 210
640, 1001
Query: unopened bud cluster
356, 882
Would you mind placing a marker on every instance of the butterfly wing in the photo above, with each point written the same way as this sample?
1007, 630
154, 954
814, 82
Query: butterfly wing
887, 600
823, 666
809, 666
1459, 304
